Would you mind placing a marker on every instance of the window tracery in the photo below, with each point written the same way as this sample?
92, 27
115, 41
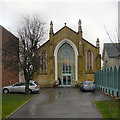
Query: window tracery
43, 61
89, 58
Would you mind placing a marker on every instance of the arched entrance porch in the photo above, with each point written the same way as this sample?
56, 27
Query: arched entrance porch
69, 58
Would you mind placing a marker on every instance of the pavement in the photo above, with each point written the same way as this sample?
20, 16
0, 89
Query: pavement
61, 103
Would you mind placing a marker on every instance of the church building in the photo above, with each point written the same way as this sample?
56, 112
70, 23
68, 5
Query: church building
67, 57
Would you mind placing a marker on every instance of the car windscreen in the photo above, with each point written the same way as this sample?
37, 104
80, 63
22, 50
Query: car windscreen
23, 84
36, 82
89, 83
17, 84
31, 84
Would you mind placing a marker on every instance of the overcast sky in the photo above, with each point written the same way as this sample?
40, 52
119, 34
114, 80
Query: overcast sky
94, 14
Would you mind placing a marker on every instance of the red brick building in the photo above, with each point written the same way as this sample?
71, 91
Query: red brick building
10, 48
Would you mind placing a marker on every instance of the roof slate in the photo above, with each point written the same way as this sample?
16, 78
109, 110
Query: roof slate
113, 49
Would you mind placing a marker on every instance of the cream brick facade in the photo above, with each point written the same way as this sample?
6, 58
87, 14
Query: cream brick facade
79, 45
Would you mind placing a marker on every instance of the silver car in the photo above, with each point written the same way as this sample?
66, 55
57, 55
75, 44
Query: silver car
87, 86
20, 87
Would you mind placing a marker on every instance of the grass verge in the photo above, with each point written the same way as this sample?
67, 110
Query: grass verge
109, 108
10, 102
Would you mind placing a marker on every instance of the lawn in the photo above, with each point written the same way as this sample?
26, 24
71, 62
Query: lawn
109, 108
10, 102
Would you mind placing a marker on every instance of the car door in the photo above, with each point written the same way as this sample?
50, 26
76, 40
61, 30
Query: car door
22, 87
16, 87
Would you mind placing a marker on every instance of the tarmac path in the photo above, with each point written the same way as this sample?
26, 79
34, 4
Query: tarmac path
61, 103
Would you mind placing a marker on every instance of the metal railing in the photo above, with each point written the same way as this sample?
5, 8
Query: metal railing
108, 81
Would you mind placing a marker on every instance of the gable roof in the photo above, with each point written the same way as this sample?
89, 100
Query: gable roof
65, 27
70, 30
43, 44
89, 43
75, 33
112, 49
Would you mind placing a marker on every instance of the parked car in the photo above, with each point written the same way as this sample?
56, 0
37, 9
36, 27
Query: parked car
87, 86
20, 87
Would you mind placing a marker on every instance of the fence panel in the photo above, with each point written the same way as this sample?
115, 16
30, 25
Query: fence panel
109, 80
119, 78
115, 76
119, 81
105, 78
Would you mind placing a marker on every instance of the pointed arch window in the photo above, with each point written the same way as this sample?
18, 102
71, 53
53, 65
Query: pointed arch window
89, 60
43, 61
66, 62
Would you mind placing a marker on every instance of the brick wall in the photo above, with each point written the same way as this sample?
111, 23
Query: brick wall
9, 68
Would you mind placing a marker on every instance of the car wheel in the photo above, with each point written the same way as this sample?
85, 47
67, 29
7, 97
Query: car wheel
94, 90
5, 91
30, 91
83, 90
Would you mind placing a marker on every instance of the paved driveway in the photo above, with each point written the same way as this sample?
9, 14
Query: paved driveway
61, 103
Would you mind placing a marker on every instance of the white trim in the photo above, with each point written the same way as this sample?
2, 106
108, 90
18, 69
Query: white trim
76, 54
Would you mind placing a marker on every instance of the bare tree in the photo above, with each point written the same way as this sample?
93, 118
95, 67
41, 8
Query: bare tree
115, 39
30, 34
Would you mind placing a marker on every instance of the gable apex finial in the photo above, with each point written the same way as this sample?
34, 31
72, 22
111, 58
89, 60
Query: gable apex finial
51, 27
51, 23
97, 39
79, 26
79, 21
97, 43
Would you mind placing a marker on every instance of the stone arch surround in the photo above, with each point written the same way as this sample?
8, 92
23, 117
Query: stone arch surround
76, 55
